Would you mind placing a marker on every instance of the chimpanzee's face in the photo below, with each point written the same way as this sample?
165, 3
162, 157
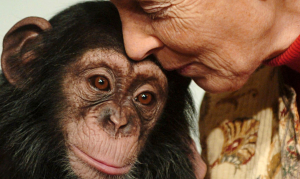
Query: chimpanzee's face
111, 106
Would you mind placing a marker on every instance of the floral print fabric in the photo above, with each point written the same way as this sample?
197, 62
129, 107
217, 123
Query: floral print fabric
252, 133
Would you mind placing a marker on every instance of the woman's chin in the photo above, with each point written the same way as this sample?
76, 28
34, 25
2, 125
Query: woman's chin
218, 85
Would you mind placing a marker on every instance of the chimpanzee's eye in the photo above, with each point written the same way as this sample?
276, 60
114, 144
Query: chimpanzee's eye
144, 98
100, 82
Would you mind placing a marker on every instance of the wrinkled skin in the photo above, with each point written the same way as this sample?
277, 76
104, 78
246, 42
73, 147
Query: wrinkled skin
110, 125
218, 43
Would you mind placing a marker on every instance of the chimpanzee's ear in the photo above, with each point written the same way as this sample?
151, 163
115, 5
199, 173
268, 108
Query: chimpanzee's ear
21, 36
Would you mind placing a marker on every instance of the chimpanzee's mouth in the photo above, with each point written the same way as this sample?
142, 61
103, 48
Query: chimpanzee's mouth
100, 165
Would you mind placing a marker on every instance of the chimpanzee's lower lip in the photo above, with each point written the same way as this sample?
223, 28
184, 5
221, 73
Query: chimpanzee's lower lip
100, 165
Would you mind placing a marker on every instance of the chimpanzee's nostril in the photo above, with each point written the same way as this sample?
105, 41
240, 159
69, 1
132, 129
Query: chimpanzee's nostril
115, 123
118, 121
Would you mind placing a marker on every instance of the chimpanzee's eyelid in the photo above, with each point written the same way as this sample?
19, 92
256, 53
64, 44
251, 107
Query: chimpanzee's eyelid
145, 87
92, 72
91, 69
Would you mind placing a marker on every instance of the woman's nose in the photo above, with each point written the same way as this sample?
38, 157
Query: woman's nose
139, 45
138, 41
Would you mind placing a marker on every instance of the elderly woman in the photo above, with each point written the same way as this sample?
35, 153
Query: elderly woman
252, 129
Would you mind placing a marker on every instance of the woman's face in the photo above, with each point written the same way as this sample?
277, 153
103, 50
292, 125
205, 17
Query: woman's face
217, 43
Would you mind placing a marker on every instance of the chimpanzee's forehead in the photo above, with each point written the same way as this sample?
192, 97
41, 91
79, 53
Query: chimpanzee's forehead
119, 63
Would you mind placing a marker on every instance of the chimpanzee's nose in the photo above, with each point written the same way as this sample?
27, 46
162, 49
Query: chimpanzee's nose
118, 122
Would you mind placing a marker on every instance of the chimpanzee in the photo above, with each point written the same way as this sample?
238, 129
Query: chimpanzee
72, 105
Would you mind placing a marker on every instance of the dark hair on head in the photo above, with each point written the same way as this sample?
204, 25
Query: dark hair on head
84, 23
80, 28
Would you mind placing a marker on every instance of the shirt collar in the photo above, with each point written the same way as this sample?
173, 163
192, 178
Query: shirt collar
290, 57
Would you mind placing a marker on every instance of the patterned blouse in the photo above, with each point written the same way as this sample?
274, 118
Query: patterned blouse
253, 133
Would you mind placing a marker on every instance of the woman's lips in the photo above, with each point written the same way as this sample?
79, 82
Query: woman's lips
185, 69
176, 67
100, 165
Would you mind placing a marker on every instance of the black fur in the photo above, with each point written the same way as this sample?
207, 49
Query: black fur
32, 143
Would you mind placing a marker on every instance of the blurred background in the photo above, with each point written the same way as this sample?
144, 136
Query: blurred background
11, 11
